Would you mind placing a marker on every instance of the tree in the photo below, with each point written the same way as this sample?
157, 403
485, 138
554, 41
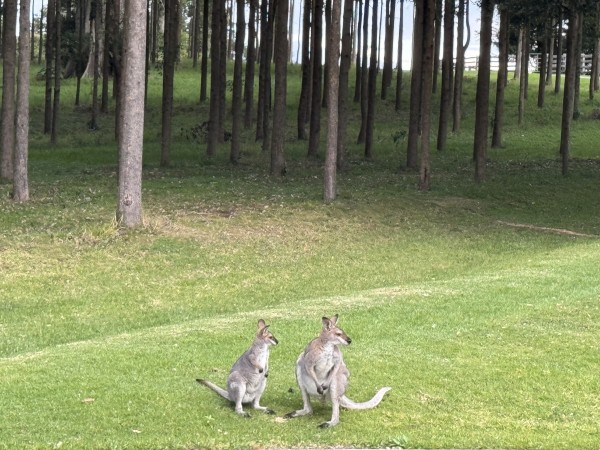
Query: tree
399, 74
482, 97
427, 69
204, 60
129, 206
447, 63
50, 41
171, 51
279, 106
9, 52
358, 69
569, 87
20, 180
390, 18
437, 42
57, 72
215, 79
459, 70
236, 97
416, 85
372, 86
250, 65
333, 42
559, 50
364, 77
264, 76
345, 62
317, 75
305, 87
502, 77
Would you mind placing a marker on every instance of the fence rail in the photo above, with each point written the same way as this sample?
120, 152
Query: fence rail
472, 62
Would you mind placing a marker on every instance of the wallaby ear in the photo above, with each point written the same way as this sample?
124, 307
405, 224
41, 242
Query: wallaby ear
334, 319
327, 324
261, 324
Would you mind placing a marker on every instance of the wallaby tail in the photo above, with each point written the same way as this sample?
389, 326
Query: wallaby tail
349, 404
214, 387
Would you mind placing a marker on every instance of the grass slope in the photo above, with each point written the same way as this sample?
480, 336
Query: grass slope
478, 304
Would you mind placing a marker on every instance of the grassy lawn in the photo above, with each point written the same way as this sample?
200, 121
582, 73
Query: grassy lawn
478, 304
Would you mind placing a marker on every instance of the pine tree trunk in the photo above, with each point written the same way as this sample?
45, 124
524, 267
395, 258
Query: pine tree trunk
483, 87
416, 91
427, 64
171, 48
400, 74
569, 88
459, 69
315, 109
437, 43
129, 208
333, 42
502, 78
543, 67
343, 88
578, 64
559, 50
386, 77
215, 79
279, 104
236, 97
447, 63
372, 86
358, 68
250, 66
204, 60
364, 77
9, 52
306, 71
49, 76
58, 74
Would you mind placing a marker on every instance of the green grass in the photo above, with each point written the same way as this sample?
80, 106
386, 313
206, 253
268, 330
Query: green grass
478, 304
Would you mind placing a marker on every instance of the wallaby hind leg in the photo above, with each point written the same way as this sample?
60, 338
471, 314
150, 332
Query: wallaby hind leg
307, 409
236, 393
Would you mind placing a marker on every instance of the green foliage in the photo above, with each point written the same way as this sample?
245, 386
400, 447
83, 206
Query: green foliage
478, 304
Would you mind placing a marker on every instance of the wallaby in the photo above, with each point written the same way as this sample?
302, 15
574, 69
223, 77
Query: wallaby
322, 373
247, 379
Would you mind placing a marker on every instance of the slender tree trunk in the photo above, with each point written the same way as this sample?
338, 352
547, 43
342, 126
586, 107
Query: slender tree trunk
390, 18
315, 110
129, 206
57, 74
372, 86
447, 63
223, 77
41, 36
502, 77
483, 87
416, 87
550, 31
204, 60
459, 68
343, 89
364, 77
437, 43
578, 64
518, 70
290, 29
236, 97
595, 75
543, 68
358, 71
107, 47
215, 79
264, 84
9, 52
20, 180
196, 33
524, 75
559, 50
279, 104
325, 66
569, 88
333, 42
400, 55
49, 76
250, 66
429, 54
96, 58
306, 71
171, 49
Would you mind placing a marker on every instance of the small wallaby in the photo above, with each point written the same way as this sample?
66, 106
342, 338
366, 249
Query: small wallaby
247, 379
322, 373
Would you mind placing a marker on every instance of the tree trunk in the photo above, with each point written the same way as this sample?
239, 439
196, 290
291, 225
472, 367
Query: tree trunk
290, 30
578, 64
399, 74
524, 74
171, 49
358, 68
279, 104
437, 43
390, 17
95, 65
459, 68
204, 60
559, 51
215, 79
57, 74
9, 52
49, 76
416, 84
482, 97
195, 33
550, 40
343, 89
333, 43
543, 67
569, 88
20, 180
236, 97
129, 207
306, 71
364, 77
264, 84
429, 54
518, 70
109, 37
502, 77
447, 63
372, 86
326, 66
315, 109
250, 66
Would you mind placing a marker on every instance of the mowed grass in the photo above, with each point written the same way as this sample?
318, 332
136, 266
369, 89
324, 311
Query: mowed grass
478, 304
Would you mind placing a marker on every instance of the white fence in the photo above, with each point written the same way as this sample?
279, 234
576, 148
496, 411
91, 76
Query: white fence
472, 63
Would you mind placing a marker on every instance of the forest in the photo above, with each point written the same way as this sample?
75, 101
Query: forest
116, 44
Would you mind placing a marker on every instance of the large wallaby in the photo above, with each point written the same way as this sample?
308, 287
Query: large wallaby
322, 373
247, 379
